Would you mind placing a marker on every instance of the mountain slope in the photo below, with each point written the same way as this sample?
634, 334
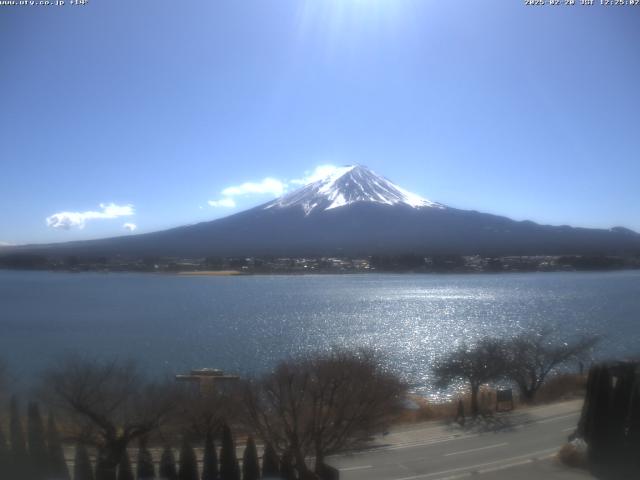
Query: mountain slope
347, 186
356, 212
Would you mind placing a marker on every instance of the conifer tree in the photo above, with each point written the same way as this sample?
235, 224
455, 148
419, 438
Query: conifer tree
19, 461
125, 471
57, 466
145, 469
229, 469
270, 462
250, 466
598, 432
38, 457
105, 468
188, 462
287, 472
168, 465
82, 469
4, 456
634, 426
210, 459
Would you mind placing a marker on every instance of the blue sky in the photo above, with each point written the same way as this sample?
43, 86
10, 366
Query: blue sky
143, 113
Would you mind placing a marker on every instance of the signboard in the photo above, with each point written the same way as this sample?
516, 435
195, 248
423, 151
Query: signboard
504, 400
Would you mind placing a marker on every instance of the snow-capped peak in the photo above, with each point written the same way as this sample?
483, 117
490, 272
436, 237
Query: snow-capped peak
348, 185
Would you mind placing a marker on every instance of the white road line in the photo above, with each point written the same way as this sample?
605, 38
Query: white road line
553, 419
495, 469
516, 464
463, 436
510, 461
476, 449
424, 444
449, 438
568, 429
361, 467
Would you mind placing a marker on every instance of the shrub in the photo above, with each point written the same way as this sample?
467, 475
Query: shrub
37, 444
229, 469
82, 469
270, 462
125, 471
188, 461
210, 459
57, 464
250, 467
168, 465
145, 468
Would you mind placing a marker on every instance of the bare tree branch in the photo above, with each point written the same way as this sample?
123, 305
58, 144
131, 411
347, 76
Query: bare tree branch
477, 365
109, 403
322, 405
533, 356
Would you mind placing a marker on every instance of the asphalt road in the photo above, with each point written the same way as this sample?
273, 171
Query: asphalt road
518, 445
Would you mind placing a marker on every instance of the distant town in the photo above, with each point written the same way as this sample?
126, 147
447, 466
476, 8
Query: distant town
329, 264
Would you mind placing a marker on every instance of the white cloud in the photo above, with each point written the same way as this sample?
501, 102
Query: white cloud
318, 173
129, 226
267, 185
223, 202
68, 220
270, 185
5, 244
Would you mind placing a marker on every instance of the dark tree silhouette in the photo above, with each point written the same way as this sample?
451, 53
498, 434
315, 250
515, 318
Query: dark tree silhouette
82, 469
58, 469
125, 471
203, 412
145, 468
38, 457
210, 459
188, 461
477, 365
4, 456
229, 469
610, 421
323, 404
114, 400
19, 456
287, 472
533, 356
168, 469
105, 470
250, 465
270, 462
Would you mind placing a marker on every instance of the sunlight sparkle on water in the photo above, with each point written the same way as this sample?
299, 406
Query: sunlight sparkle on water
247, 324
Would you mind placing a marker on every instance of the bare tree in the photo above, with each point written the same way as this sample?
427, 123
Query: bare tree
109, 403
322, 405
202, 413
532, 357
477, 365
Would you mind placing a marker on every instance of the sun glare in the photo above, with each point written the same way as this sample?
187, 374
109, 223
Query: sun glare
342, 17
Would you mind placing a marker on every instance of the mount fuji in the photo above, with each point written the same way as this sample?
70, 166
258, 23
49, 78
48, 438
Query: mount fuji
347, 186
355, 212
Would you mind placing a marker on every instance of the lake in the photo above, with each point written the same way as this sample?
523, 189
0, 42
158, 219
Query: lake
245, 324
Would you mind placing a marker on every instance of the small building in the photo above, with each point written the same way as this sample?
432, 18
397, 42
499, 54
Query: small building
208, 379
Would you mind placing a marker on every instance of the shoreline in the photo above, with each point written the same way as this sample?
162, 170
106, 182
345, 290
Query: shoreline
231, 273
205, 273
